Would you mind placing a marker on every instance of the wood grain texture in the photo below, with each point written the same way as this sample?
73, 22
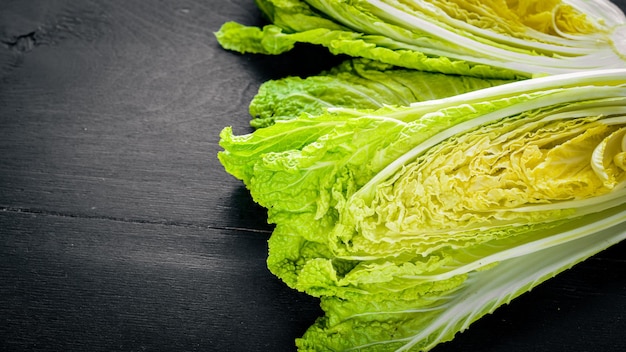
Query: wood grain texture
120, 231
71, 283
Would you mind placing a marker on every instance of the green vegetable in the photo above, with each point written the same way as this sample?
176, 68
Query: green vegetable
357, 83
412, 222
488, 39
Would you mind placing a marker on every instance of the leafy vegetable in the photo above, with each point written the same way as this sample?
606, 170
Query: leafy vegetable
358, 83
412, 222
488, 39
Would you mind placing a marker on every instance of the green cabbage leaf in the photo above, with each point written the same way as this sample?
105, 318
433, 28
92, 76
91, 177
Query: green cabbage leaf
357, 83
488, 39
412, 222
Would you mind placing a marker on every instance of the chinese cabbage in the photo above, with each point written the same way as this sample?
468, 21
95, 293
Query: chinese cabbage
489, 39
412, 222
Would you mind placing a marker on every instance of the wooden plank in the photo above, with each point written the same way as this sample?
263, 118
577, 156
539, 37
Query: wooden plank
116, 108
111, 108
71, 284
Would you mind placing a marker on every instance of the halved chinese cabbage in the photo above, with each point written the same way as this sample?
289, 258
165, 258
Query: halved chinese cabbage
410, 223
506, 39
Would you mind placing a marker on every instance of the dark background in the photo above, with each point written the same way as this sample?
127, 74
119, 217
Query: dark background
120, 231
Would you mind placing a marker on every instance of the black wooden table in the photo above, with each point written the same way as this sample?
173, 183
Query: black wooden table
120, 231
